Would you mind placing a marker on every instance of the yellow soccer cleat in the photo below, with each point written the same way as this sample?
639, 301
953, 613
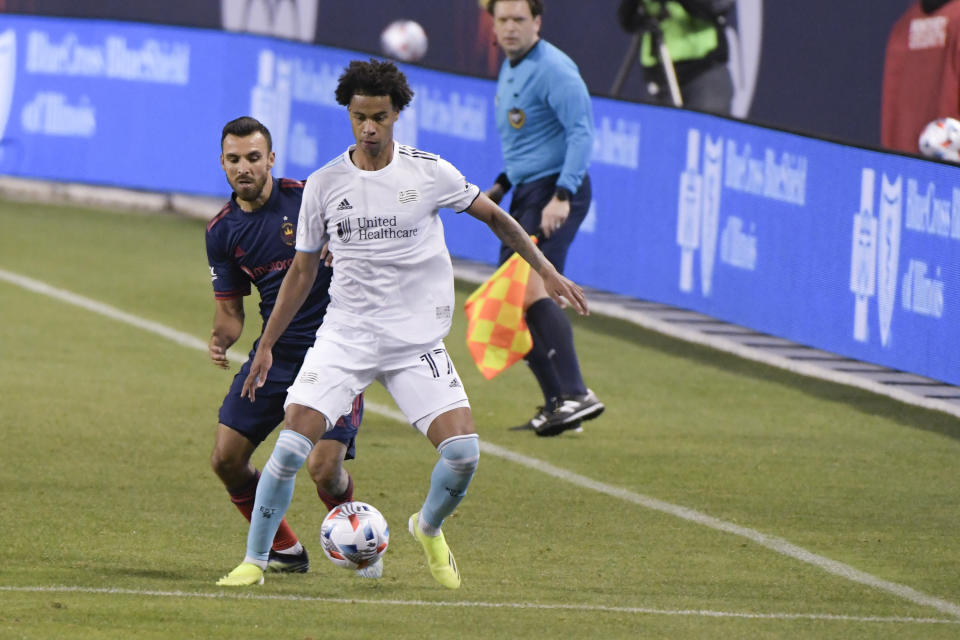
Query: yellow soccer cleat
439, 557
245, 575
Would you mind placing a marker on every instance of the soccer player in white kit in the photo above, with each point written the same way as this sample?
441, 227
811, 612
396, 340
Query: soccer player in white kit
375, 209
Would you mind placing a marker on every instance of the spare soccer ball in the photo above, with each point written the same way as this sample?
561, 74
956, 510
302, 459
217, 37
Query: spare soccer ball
404, 40
941, 140
354, 535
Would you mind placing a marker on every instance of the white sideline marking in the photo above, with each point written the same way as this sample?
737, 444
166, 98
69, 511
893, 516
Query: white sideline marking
63, 295
773, 543
221, 595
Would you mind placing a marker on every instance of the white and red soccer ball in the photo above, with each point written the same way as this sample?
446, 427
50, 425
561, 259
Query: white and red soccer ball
941, 140
354, 535
404, 40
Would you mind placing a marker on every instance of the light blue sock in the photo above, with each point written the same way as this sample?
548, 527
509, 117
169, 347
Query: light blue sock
449, 481
274, 493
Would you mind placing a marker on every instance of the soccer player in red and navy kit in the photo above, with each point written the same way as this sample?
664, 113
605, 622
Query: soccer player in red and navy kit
252, 240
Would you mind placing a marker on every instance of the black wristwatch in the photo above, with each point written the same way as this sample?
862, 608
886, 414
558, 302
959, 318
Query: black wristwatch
562, 194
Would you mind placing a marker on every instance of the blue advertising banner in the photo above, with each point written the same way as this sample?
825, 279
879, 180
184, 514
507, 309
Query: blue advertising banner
142, 106
849, 250
846, 249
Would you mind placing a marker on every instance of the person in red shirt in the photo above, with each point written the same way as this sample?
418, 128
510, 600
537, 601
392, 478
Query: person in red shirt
921, 74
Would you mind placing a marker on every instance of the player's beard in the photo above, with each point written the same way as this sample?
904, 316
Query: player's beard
249, 191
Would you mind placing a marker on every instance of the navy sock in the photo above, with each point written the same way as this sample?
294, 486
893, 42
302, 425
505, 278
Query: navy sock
551, 327
538, 359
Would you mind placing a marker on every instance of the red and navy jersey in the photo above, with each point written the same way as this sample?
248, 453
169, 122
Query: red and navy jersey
258, 247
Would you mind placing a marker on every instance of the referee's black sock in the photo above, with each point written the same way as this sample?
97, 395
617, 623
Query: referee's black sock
551, 327
538, 359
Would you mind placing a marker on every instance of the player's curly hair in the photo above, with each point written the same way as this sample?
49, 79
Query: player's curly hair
374, 78
536, 7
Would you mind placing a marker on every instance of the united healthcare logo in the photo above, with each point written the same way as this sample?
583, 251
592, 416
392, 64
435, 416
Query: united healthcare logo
875, 254
698, 210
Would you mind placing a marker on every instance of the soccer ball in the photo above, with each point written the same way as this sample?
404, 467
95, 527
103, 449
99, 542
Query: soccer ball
354, 535
404, 40
941, 139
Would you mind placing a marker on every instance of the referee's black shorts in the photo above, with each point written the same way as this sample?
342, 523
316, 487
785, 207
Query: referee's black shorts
527, 204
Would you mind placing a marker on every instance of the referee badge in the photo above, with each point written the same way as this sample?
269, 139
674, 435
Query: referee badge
516, 117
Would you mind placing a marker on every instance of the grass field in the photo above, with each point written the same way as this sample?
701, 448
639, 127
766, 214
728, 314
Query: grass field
715, 498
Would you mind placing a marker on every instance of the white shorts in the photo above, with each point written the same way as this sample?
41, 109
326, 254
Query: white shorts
344, 361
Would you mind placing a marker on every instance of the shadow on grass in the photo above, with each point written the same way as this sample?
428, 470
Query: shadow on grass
862, 400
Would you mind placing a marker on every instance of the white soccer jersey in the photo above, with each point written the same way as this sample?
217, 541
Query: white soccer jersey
392, 270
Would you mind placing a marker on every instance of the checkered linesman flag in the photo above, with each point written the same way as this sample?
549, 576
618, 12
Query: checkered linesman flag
497, 335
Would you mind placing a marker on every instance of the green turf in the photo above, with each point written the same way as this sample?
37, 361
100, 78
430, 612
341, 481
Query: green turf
105, 483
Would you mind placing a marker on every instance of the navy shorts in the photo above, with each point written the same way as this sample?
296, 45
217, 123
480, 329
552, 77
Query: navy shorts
255, 420
526, 207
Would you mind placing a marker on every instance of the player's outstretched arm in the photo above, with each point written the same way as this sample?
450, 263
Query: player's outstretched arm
560, 288
227, 327
294, 290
